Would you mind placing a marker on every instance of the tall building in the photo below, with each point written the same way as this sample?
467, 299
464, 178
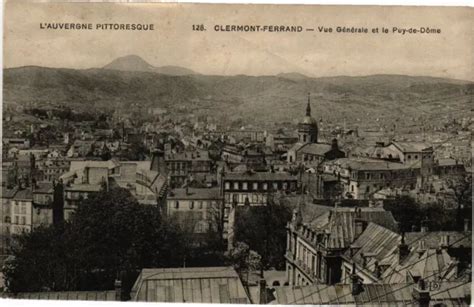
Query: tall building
308, 151
308, 127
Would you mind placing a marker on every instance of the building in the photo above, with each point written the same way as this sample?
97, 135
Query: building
318, 237
220, 285
43, 195
362, 177
197, 210
183, 166
17, 210
308, 151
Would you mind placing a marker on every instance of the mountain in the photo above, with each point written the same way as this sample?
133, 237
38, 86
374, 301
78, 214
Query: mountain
136, 63
254, 99
292, 76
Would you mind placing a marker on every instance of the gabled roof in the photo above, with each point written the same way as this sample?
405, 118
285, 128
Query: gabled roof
376, 241
192, 193
259, 176
191, 285
411, 146
318, 149
339, 224
68, 295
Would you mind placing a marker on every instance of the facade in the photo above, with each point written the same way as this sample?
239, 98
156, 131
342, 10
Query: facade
197, 210
361, 177
43, 197
187, 166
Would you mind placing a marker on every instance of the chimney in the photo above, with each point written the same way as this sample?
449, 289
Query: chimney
444, 241
262, 284
378, 270
466, 225
421, 247
364, 259
403, 250
355, 281
118, 290
424, 226
359, 223
420, 294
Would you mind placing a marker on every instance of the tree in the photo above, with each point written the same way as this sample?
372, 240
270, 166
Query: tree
111, 235
462, 192
244, 260
408, 213
263, 229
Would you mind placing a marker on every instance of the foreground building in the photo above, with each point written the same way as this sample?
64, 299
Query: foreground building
318, 236
219, 285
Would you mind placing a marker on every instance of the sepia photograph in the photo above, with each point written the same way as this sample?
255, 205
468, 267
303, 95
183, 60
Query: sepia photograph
236, 154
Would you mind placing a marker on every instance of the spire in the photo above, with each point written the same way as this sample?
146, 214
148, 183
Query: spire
308, 107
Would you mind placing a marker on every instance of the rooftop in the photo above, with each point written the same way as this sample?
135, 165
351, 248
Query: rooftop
259, 176
191, 285
449, 293
193, 193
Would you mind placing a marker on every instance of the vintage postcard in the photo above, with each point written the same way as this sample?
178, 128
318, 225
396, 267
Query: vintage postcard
245, 154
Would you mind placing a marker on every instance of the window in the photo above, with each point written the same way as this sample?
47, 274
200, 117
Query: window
244, 186
275, 186
17, 220
416, 157
191, 205
23, 220
255, 186
352, 188
176, 205
236, 185
265, 186
200, 204
227, 185
409, 157
7, 219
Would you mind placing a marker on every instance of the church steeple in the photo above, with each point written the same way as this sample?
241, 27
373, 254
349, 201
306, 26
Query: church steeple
308, 127
308, 107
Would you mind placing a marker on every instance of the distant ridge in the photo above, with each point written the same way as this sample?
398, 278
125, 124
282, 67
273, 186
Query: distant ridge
136, 63
268, 98
292, 76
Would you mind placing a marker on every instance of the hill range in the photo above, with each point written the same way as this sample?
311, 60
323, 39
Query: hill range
130, 81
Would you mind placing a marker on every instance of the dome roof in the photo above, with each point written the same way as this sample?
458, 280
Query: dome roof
308, 120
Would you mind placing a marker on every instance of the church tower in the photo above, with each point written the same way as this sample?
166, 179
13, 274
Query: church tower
308, 127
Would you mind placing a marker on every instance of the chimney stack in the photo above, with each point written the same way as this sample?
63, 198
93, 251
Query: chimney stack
420, 294
118, 290
466, 225
424, 226
263, 291
355, 281
444, 241
403, 250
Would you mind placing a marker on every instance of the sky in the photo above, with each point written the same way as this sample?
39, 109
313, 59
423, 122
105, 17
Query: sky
448, 54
